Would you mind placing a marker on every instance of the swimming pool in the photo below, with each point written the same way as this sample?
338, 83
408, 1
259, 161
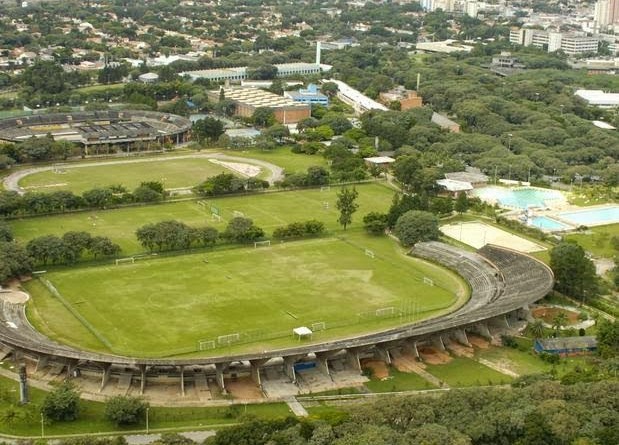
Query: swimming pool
520, 198
592, 217
545, 223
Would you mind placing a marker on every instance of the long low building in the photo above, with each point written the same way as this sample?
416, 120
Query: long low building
355, 98
248, 100
239, 73
599, 98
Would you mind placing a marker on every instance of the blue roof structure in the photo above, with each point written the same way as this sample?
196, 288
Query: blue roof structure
309, 95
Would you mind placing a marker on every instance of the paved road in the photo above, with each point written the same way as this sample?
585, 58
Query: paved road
11, 182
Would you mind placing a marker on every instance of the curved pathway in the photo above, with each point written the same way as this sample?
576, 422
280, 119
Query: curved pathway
11, 182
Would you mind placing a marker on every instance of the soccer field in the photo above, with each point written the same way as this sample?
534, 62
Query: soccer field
166, 306
269, 210
173, 173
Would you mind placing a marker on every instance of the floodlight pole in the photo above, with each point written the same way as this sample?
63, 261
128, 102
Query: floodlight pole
147, 410
42, 425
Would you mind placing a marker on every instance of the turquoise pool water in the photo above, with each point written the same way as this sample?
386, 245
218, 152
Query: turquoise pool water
545, 223
520, 198
592, 217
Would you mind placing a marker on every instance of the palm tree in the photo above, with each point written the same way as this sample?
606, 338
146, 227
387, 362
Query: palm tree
537, 329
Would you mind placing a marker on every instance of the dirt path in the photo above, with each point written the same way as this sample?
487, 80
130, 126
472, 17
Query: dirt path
11, 182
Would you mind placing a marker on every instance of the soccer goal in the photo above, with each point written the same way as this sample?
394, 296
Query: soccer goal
125, 260
204, 345
369, 253
325, 188
238, 214
428, 281
202, 204
319, 326
325, 205
59, 169
266, 243
385, 312
215, 217
228, 339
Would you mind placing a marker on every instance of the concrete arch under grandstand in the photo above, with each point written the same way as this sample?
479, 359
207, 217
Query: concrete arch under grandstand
503, 283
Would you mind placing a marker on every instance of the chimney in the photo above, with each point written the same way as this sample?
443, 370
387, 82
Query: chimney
317, 53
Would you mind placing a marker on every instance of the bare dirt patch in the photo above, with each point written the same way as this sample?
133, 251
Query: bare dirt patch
243, 388
547, 314
239, 167
433, 356
460, 350
378, 367
478, 342
407, 363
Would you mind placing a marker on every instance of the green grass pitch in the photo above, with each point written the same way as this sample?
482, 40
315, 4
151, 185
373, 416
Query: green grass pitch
269, 210
165, 306
174, 173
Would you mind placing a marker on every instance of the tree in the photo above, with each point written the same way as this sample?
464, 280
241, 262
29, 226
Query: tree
125, 410
574, 272
103, 246
242, 230
14, 260
6, 234
263, 117
146, 194
608, 338
415, 226
375, 223
208, 129
559, 321
462, 203
75, 243
347, 205
317, 175
62, 403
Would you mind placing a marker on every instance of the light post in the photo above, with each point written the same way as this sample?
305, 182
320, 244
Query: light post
147, 410
509, 141
561, 106
42, 425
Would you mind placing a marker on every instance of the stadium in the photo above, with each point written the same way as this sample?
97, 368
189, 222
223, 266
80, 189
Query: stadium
502, 283
126, 129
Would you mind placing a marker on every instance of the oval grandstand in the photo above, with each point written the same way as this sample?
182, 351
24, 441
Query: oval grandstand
93, 128
501, 280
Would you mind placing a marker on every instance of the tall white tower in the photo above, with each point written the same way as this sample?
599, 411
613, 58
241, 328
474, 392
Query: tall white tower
318, 53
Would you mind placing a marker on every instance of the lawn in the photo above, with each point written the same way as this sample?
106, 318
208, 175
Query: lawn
284, 158
269, 210
91, 418
174, 173
521, 362
461, 371
165, 306
399, 381
598, 241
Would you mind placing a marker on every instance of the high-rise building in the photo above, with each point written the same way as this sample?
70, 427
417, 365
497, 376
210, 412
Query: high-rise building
606, 14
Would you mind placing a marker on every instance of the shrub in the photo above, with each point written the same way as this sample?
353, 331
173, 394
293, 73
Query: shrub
125, 410
61, 404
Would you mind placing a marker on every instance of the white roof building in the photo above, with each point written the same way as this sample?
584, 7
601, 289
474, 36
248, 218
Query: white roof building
380, 160
454, 186
599, 98
359, 101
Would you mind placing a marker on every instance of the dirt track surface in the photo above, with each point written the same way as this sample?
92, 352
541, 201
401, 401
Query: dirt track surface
11, 182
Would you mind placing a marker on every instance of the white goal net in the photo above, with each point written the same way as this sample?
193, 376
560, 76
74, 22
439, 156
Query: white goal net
204, 345
125, 260
228, 339
369, 253
266, 243
238, 214
428, 281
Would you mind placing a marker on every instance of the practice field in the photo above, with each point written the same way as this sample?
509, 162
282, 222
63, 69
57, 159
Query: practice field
243, 299
269, 210
478, 234
174, 173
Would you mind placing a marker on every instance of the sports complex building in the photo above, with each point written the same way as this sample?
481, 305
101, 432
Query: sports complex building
126, 128
502, 283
